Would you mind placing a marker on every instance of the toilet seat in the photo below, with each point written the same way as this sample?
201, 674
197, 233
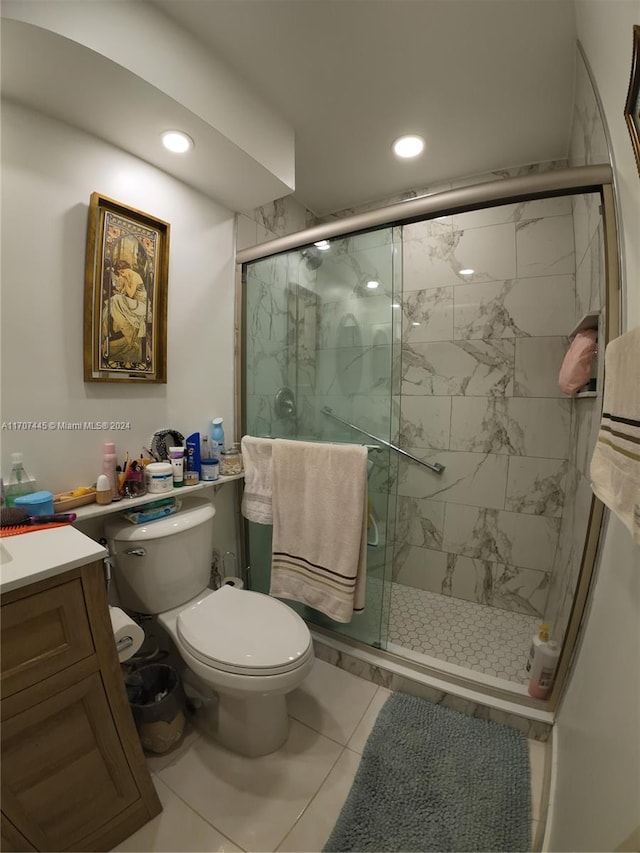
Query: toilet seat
244, 632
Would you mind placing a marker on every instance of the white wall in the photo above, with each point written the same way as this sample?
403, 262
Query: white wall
49, 171
597, 799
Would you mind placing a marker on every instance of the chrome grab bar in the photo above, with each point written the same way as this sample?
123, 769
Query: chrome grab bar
432, 466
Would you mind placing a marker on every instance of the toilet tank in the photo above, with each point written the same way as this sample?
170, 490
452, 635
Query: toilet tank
161, 564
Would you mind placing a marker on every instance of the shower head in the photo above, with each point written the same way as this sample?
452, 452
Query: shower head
312, 257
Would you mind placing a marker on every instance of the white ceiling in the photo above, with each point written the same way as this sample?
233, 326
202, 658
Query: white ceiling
488, 83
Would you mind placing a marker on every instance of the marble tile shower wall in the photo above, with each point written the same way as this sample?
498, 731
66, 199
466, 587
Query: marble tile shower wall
480, 358
281, 325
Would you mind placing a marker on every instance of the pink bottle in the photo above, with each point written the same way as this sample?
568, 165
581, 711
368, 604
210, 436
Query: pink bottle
109, 462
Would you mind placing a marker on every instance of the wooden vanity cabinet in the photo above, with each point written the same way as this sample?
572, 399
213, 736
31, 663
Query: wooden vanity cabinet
74, 776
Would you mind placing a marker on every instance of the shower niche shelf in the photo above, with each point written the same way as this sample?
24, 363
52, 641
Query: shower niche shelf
588, 321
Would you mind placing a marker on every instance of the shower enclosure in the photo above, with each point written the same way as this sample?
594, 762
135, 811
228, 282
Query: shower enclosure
433, 332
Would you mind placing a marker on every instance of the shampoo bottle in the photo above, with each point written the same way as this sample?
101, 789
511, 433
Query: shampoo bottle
543, 669
538, 639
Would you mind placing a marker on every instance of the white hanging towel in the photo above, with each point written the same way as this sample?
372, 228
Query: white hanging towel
615, 465
319, 552
256, 497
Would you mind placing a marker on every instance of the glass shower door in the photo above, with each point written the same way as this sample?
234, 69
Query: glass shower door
322, 337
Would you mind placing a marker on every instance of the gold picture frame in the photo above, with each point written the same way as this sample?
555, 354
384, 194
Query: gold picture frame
632, 106
125, 296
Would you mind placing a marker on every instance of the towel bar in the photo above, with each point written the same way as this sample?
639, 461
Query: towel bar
432, 466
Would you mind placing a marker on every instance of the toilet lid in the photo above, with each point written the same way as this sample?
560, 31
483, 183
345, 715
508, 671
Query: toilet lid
242, 631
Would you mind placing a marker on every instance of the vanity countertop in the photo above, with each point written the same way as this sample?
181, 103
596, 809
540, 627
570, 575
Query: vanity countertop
30, 557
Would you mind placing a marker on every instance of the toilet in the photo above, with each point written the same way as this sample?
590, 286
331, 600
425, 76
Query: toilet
247, 647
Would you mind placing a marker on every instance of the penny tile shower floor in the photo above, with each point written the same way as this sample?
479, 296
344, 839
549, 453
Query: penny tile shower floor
485, 639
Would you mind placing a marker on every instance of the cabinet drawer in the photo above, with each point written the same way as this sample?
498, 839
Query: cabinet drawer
42, 634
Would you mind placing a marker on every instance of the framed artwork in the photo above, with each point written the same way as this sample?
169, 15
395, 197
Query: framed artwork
632, 107
125, 296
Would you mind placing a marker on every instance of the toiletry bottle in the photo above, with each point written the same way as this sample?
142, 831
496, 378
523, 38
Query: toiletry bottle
176, 457
216, 435
542, 636
192, 455
103, 490
543, 669
109, 464
20, 483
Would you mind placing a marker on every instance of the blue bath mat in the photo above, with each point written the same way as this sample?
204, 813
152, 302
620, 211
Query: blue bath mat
433, 779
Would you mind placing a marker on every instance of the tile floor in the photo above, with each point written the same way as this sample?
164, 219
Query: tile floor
215, 800
482, 638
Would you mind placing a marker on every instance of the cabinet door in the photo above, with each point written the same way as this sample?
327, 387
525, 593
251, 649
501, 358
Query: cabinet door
64, 772
42, 634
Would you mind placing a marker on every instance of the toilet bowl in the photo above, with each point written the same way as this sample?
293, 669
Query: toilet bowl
247, 647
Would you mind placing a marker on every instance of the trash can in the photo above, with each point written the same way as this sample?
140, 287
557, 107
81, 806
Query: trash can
157, 699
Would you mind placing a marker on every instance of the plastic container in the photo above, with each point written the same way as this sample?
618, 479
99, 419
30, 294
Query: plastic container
37, 503
216, 438
539, 638
231, 461
176, 457
134, 485
209, 470
157, 700
20, 483
159, 477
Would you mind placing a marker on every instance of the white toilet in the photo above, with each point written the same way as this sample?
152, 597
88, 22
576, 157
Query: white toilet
249, 648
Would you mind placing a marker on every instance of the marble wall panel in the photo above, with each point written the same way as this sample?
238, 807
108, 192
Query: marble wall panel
545, 246
537, 366
513, 425
419, 523
485, 582
427, 315
471, 368
515, 539
587, 221
566, 566
420, 568
543, 307
475, 479
536, 486
436, 261
516, 212
425, 422
590, 277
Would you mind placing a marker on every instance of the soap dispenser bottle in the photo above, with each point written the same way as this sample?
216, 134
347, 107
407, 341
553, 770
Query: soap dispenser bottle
20, 483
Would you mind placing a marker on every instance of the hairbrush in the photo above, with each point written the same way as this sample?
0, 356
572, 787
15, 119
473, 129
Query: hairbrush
16, 517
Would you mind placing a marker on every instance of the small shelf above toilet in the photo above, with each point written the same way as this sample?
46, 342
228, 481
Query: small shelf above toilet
95, 510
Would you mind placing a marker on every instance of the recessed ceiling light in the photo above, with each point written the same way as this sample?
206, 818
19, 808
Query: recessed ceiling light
373, 284
395, 305
177, 141
467, 272
323, 245
408, 146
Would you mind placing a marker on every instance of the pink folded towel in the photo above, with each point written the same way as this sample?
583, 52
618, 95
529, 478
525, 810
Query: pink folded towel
576, 367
